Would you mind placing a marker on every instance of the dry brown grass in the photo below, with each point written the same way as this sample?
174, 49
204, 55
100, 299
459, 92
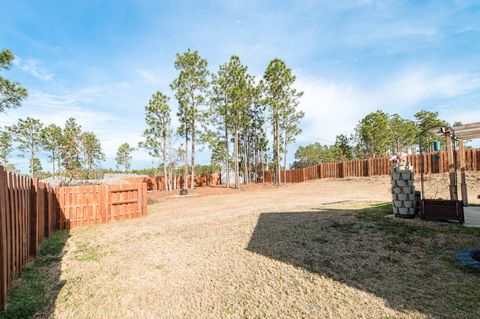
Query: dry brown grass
302, 251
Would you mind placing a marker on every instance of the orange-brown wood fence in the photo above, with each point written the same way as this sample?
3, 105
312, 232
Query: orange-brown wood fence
100, 204
15, 205
158, 183
31, 210
434, 162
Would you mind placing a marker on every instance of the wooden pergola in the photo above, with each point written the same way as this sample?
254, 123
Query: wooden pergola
452, 135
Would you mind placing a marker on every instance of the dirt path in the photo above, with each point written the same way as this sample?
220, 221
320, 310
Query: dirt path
228, 254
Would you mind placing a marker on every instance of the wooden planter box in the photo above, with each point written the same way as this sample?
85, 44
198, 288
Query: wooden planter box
438, 209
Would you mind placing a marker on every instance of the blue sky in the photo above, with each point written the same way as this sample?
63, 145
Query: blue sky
100, 61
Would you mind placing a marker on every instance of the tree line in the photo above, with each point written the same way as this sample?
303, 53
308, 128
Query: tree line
229, 111
73, 153
378, 134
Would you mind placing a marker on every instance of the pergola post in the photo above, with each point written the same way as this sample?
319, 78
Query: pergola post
463, 180
451, 166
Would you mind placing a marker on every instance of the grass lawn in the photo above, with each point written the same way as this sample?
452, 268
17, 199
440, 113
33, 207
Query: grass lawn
339, 259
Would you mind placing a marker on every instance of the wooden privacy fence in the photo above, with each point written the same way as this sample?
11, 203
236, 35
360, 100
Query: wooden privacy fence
100, 204
31, 210
158, 183
434, 162
15, 206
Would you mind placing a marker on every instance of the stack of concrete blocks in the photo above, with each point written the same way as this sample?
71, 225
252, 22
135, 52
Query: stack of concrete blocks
403, 191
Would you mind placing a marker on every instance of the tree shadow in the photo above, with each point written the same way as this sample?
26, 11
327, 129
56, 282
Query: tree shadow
407, 263
34, 293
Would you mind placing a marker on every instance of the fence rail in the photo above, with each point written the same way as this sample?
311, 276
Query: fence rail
433, 163
31, 210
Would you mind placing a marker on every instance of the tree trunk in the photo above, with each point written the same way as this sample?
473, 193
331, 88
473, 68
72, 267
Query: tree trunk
237, 177
245, 168
192, 186
285, 160
266, 151
279, 182
256, 165
227, 156
185, 173
170, 166
165, 177
274, 154
31, 160
53, 163
263, 164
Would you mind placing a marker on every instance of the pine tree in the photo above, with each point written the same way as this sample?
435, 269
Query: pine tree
91, 150
404, 133
36, 167
231, 96
6, 146
290, 120
70, 149
279, 97
52, 140
373, 134
11, 93
27, 134
157, 117
427, 121
190, 87
124, 157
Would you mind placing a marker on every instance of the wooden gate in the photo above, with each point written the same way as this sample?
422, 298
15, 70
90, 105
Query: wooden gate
99, 204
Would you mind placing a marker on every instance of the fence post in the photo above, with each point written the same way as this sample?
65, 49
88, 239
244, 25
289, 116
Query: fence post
451, 168
33, 216
475, 160
3, 240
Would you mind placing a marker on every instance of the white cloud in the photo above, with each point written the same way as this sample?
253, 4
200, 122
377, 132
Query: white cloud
33, 67
333, 107
111, 129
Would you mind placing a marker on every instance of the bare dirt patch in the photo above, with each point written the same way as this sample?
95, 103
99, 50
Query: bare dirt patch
308, 250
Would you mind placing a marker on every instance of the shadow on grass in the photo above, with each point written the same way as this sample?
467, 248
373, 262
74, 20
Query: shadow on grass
34, 293
409, 263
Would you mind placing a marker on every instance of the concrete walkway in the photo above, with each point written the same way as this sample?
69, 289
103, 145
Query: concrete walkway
472, 216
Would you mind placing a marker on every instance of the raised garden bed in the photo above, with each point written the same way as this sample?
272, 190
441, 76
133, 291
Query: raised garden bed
439, 209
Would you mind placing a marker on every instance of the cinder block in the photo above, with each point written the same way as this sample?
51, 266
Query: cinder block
397, 190
406, 175
411, 196
403, 210
406, 189
410, 182
397, 203
402, 183
402, 196
408, 203
396, 176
